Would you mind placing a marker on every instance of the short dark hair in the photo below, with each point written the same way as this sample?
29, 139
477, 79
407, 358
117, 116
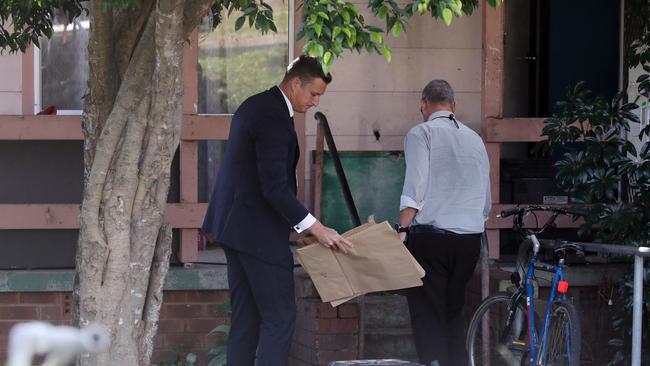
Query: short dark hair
306, 68
438, 91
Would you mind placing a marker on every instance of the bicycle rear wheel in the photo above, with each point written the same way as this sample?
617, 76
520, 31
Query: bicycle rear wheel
563, 339
497, 334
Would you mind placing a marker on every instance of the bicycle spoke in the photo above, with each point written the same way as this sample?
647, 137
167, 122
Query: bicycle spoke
497, 337
563, 339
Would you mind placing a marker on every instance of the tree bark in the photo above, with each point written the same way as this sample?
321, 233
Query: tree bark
131, 123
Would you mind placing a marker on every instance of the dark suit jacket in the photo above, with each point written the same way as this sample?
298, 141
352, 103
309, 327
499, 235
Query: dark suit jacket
254, 202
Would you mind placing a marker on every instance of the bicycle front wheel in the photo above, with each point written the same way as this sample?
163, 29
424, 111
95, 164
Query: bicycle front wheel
498, 332
563, 340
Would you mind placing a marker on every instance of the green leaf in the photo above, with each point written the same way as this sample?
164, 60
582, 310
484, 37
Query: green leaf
646, 68
372, 28
630, 148
250, 10
336, 32
323, 15
317, 28
388, 54
383, 11
455, 8
191, 358
346, 17
223, 328
327, 60
413, 7
447, 16
397, 29
220, 360
337, 48
316, 50
352, 8
240, 22
325, 67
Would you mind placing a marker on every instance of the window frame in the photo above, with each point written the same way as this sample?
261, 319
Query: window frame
38, 107
290, 48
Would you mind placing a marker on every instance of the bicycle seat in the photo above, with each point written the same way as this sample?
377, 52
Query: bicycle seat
562, 249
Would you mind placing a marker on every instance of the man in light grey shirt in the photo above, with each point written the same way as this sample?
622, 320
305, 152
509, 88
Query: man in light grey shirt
444, 204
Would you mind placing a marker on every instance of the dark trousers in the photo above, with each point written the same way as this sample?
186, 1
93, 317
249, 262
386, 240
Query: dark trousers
263, 310
436, 307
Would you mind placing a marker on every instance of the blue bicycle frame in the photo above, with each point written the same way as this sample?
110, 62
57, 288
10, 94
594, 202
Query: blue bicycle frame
558, 275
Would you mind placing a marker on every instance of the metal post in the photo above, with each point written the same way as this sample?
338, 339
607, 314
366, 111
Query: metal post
485, 267
636, 312
485, 292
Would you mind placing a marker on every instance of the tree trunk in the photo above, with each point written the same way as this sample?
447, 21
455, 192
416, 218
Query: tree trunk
131, 123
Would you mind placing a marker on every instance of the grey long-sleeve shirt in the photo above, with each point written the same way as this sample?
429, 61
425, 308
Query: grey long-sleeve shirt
447, 176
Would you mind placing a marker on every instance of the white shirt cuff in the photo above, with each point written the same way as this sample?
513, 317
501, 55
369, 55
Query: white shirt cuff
406, 201
305, 224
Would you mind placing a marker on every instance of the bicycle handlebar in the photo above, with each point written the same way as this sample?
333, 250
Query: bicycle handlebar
575, 212
510, 212
522, 211
527, 209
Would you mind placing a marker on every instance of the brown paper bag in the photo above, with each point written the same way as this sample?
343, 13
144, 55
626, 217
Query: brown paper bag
378, 262
325, 271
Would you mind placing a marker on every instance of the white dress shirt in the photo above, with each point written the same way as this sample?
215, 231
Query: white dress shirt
309, 220
447, 175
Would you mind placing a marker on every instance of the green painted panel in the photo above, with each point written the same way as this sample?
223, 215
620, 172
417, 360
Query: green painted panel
375, 180
36, 280
197, 277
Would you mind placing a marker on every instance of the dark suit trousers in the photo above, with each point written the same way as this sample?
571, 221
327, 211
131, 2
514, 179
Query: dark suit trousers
263, 310
436, 307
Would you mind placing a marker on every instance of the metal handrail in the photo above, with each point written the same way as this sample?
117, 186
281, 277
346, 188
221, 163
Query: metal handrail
345, 187
639, 253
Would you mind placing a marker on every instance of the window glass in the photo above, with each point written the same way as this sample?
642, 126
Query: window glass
64, 64
234, 65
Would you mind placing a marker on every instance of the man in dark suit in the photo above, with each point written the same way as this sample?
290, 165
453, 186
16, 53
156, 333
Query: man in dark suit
253, 208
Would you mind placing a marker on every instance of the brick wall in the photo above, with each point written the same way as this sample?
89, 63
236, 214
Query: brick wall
54, 307
323, 333
186, 318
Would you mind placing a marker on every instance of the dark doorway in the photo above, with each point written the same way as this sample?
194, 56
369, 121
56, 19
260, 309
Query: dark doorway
553, 44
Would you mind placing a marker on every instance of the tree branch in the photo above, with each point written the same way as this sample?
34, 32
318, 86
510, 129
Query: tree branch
193, 13
102, 85
128, 27
154, 299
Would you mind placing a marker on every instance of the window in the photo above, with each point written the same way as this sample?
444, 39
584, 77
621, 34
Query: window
233, 65
61, 66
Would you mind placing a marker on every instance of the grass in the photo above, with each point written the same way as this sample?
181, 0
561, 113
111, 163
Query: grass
229, 76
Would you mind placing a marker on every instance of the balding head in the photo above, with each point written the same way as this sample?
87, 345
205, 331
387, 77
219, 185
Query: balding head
438, 91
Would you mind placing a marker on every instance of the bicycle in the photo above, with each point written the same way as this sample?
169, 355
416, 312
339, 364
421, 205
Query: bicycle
503, 330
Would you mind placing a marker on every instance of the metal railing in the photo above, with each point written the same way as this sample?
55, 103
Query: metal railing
639, 254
